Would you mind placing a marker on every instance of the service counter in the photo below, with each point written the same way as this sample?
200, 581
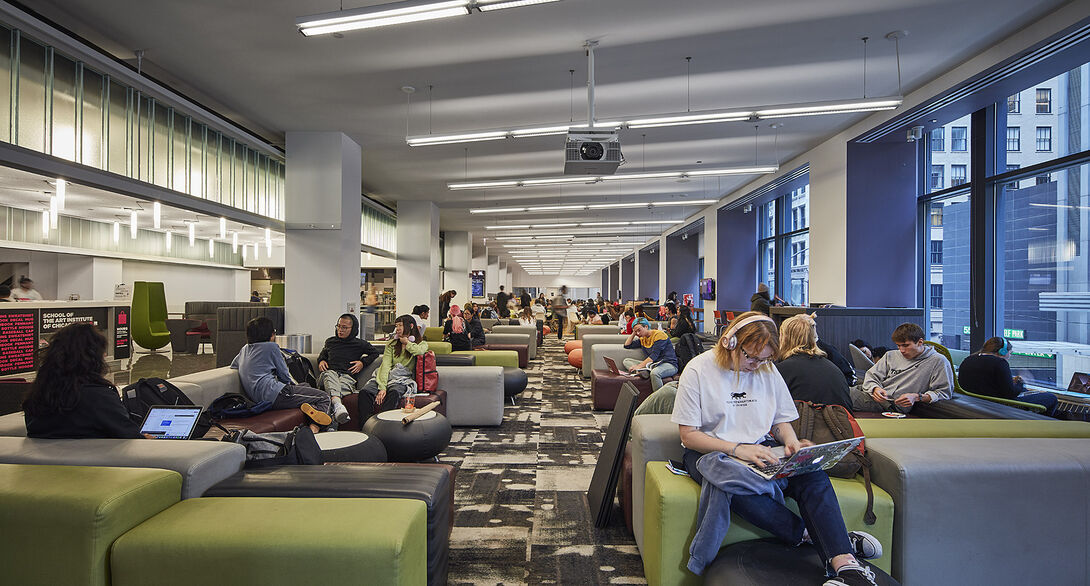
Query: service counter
26, 326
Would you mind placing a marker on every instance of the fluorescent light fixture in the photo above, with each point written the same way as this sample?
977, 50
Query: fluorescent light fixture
572, 225
234, 243
686, 202
211, 248
833, 107
62, 192
536, 182
596, 206
117, 231
733, 171
686, 119
192, 233
268, 243
45, 224
244, 254
223, 228
532, 237
558, 181
604, 224
255, 251
381, 15
156, 215
482, 185
556, 208
650, 222
489, 5
497, 210
511, 227
168, 236
539, 131
53, 212
457, 138
631, 176
132, 224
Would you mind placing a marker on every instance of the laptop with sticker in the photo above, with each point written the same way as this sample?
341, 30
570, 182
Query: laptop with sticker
805, 460
171, 421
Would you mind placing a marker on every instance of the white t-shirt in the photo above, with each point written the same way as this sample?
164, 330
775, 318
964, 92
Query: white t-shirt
731, 406
19, 293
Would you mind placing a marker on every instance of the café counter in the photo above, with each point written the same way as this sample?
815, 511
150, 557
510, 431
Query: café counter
26, 326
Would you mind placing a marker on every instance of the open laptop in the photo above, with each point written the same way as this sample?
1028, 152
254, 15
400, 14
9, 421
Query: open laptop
171, 421
808, 459
612, 366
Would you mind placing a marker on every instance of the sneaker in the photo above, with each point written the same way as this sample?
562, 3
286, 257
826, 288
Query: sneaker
320, 417
340, 413
865, 545
852, 575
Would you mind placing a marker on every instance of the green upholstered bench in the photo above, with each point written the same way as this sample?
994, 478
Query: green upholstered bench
920, 427
59, 522
493, 357
669, 522
274, 541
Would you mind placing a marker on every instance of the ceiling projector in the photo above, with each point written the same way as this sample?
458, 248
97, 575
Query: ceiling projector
592, 151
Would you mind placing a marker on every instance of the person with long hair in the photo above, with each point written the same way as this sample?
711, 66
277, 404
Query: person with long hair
70, 397
455, 331
473, 327
809, 374
986, 372
380, 393
727, 401
526, 317
685, 323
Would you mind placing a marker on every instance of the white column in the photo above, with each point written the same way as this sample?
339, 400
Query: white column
322, 239
504, 277
479, 262
492, 276
662, 270
417, 255
458, 253
711, 263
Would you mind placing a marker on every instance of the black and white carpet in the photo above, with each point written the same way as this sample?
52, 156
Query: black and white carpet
521, 513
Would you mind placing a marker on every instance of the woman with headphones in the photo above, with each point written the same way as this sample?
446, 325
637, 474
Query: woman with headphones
727, 401
987, 373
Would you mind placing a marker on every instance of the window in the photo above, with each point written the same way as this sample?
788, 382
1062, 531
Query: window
1014, 104
1014, 139
936, 252
957, 174
938, 138
945, 260
1043, 179
959, 139
936, 215
936, 296
1044, 139
936, 177
1044, 100
1012, 184
783, 250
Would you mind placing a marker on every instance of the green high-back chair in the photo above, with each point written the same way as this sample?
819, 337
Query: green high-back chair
276, 298
149, 315
957, 387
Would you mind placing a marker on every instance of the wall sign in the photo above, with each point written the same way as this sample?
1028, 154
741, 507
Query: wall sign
18, 340
122, 347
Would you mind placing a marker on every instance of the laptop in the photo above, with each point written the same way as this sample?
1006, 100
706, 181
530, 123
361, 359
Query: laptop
612, 366
1080, 383
171, 421
808, 459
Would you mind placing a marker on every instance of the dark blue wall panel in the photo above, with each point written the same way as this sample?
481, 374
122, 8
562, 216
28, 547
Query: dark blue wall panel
649, 273
737, 256
682, 266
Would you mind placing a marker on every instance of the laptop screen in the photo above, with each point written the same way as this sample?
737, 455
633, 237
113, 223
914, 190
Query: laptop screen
171, 421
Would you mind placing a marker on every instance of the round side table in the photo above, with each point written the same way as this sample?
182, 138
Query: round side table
350, 446
422, 439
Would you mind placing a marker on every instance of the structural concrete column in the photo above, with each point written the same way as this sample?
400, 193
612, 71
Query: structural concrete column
417, 255
492, 276
663, 291
458, 255
711, 264
479, 262
322, 236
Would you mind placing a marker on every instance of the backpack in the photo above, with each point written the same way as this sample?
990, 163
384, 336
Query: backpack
235, 405
687, 348
427, 376
279, 448
139, 397
829, 423
300, 368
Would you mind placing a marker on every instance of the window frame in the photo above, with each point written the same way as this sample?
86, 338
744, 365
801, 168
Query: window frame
1047, 103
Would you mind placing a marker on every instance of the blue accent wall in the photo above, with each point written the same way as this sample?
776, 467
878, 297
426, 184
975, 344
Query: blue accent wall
737, 258
614, 279
628, 277
682, 267
649, 273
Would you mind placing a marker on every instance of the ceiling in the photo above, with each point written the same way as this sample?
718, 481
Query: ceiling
513, 68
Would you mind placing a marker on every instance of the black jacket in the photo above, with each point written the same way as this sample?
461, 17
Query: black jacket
838, 360
760, 302
988, 375
476, 332
98, 414
339, 352
814, 379
457, 341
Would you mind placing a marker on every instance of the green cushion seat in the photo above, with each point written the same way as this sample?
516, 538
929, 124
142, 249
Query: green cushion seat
149, 315
276, 297
508, 358
57, 523
433, 334
670, 506
277, 541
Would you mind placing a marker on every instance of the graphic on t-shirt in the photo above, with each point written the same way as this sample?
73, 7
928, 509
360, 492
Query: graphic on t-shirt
741, 395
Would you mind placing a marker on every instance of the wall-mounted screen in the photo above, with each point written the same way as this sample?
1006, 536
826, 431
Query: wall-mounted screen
707, 289
476, 283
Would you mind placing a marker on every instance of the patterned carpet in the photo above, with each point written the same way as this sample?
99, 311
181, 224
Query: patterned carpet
521, 513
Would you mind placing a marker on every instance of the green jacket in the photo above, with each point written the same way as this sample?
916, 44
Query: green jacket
389, 360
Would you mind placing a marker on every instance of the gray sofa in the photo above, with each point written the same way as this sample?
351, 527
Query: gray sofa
231, 336
519, 338
592, 340
528, 330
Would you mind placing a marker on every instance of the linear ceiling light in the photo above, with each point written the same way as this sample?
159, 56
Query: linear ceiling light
581, 225
603, 178
490, 5
381, 15
596, 206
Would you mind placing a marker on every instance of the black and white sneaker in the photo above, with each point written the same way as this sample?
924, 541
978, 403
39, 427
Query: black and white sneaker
852, 575
865, 545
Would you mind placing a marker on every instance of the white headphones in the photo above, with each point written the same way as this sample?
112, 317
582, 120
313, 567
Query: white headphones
732, 338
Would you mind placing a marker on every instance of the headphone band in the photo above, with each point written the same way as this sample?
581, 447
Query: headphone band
1006, 347
749, 320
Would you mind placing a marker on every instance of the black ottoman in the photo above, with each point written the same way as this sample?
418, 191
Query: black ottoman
514, 382
420, 440
350, 446
765, 561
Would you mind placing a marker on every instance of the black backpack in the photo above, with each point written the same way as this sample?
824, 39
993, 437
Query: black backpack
279, 448
139, 397
235, 405
299, 368
687, 348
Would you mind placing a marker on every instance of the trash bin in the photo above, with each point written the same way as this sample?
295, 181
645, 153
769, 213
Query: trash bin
298, 342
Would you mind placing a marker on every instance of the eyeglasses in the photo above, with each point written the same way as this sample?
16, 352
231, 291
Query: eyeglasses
758, 361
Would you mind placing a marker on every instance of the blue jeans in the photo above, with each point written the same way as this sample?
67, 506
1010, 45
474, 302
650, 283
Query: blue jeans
1046, 400
658, 373
817, 504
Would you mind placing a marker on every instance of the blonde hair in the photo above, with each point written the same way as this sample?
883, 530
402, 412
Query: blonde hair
798, 335
760, 334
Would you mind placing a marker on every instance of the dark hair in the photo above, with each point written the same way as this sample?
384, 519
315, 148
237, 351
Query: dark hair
686, 314
75, 357
994, 345
25, 279
501, 287
259, 329
408, 328
419, 309
859, 343
5, 291
907, 332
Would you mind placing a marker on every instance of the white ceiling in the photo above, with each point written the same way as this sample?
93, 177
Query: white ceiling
511, 68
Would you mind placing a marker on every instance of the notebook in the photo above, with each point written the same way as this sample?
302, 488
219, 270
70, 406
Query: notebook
171, 421
808, 459
612, 366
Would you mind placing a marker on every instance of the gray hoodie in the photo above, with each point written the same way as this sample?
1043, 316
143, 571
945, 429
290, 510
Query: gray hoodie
928, 373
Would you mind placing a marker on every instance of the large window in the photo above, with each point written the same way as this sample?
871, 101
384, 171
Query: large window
947, 270
783, 249
938, 138
1014, 139
1044, 100
936, 177
958, 174
959, 139
1014, 104
1044, 139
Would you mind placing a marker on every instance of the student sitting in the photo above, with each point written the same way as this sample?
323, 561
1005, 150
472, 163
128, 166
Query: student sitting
420, 314
727, 400
656, 346
526, 318
382, 391
915, 373
456, 331
265, 376
685, 323
473, 327
809, 375
988, 373
70, 398
625, 322
341, 359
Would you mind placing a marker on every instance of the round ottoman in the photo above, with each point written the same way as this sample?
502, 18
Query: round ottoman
350, 446
546, 330
576, 358
765, 561
514, 381
572, 345
422, 439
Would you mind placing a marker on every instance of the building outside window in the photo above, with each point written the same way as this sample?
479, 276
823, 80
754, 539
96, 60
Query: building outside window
1014, 139
1014, 104
936, 252
1043, 179
1044, 100
936, 177
938, 139
959, 139
936, 296
958, 175
1012, 184
783, 250
1044, 139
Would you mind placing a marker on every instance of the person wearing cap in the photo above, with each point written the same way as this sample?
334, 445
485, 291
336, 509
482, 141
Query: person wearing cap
658, 353
762, 301
25, 291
